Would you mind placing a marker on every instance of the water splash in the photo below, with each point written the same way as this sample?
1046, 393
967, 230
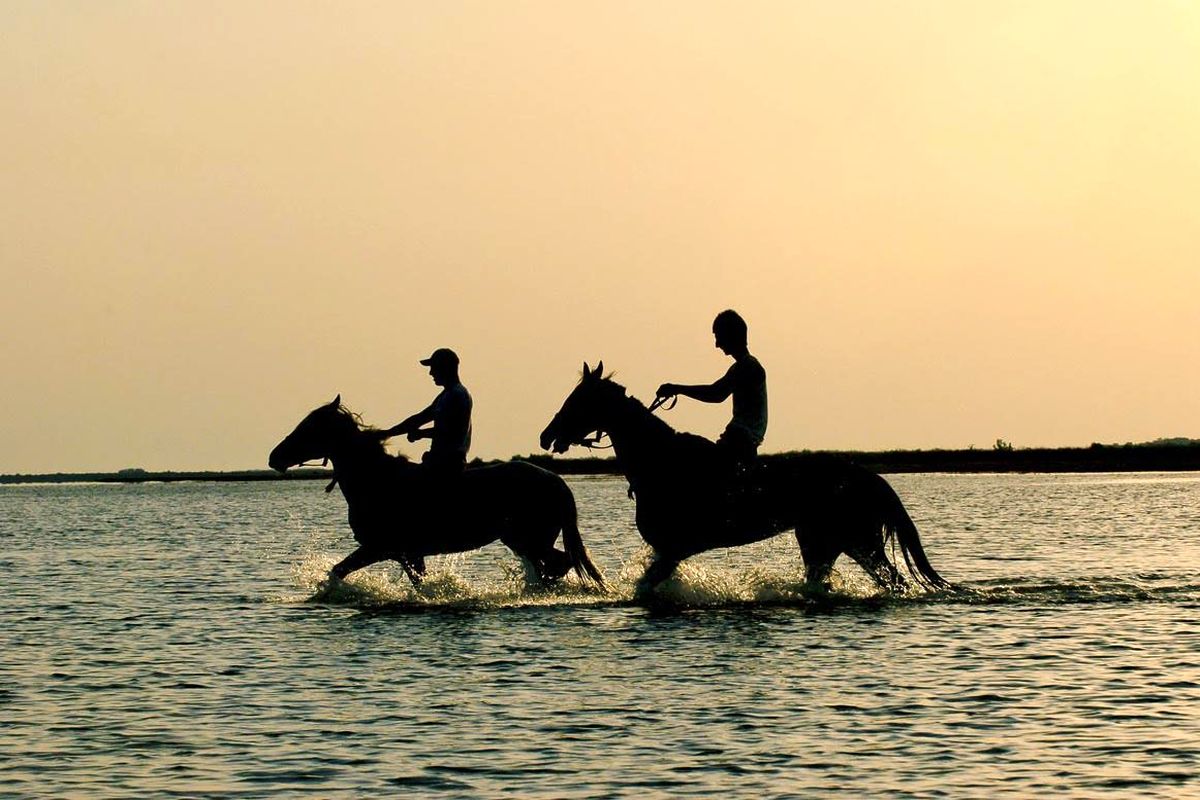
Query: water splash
694, 586
444, 586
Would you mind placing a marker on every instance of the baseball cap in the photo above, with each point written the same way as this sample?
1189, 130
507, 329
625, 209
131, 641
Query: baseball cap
443, 355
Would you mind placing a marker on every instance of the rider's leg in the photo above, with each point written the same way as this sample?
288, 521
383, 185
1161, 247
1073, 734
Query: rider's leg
737, 450
441, 473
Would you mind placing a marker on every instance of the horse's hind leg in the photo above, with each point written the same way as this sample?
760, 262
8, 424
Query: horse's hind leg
876, 564
659, 570
362, 557
538, 551
818, 557
553, 565
549, 563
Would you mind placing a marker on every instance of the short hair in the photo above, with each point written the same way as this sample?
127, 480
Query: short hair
730, 322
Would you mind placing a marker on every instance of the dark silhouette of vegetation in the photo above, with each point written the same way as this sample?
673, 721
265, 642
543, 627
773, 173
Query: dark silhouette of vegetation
144, 476
1161, 455
1149, 457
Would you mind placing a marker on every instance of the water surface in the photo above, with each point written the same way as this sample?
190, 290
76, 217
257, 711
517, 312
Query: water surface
170, 639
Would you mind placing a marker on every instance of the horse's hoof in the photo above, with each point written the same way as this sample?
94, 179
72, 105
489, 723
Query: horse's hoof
330, 583
643, 590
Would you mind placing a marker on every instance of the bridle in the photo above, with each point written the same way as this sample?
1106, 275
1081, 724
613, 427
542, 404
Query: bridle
324, 463
594, 442
665, 402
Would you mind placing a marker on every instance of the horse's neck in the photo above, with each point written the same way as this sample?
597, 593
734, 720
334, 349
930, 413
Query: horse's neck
640, 439
357, 461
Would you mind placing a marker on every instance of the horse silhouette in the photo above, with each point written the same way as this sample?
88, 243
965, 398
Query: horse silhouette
689, 501
398, 511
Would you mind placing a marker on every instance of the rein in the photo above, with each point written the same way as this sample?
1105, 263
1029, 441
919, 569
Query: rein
324, 463
665, 402
664, 399
594, 443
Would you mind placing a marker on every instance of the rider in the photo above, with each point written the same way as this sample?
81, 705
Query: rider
450, 413
746, 380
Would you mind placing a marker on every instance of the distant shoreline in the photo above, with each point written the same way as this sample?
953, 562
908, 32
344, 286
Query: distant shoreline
1097, 458
145, 476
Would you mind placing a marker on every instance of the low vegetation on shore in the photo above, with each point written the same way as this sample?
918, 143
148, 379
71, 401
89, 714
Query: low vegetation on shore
1162, 455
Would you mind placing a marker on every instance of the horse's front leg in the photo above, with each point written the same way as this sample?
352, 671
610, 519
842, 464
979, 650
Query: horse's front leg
362, 557
414, 567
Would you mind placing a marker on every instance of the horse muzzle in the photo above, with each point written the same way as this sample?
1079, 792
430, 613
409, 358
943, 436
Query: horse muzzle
278, 461
550, 440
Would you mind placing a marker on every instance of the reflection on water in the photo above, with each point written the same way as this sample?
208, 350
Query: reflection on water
175, 639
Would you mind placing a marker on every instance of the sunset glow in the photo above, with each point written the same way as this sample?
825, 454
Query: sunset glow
944, 222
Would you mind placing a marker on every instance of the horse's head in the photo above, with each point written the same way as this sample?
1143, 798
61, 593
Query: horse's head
317, 436
586, 410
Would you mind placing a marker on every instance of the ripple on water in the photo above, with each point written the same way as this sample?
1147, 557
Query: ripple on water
695, 586
175, 640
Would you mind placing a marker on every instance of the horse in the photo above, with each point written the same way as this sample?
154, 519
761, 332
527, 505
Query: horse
398, 511
689, 501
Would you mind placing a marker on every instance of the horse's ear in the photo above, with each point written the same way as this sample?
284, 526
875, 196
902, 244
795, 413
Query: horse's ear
587, 373
600, 369
337, 401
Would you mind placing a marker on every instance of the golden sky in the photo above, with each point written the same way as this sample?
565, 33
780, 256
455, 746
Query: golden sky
944, 221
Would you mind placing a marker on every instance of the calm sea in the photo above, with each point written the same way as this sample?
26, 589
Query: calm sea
170, 640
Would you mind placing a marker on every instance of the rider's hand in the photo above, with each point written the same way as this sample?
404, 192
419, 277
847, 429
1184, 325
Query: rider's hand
414, 436
667, 390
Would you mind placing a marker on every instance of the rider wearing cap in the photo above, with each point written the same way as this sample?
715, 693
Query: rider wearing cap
746, 380
450, 413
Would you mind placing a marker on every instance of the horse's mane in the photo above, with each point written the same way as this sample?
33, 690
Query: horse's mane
649, 416
374, 443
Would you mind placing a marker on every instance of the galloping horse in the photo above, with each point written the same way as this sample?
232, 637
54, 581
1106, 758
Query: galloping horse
687, 503
397, 512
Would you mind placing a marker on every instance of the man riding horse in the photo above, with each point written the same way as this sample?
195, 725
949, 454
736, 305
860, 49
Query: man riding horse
450, 413
746, 380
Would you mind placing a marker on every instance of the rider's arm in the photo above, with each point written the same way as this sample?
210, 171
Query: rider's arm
412, 423
715, 392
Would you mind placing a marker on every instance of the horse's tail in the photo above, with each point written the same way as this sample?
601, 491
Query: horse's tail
581, 562
899, 524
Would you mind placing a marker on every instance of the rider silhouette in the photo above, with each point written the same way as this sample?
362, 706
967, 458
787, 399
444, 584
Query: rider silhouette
746, 380
450, 413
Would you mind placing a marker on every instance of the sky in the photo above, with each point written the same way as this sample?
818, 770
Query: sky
945, 222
